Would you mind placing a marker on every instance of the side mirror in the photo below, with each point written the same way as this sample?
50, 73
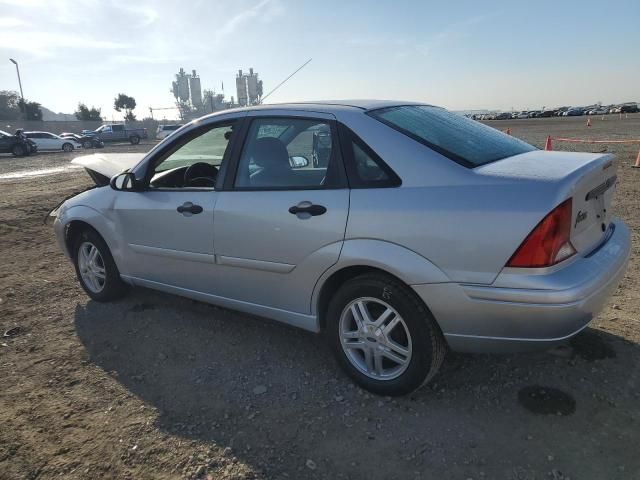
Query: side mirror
124, 182
298, 162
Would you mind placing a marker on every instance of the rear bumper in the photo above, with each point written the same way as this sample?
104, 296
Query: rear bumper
521, 311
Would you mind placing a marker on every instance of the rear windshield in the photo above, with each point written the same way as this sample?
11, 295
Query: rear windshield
461, 139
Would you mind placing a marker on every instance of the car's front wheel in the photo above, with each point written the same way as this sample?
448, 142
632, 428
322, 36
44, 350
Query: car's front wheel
87, 144
383, 336
96, 270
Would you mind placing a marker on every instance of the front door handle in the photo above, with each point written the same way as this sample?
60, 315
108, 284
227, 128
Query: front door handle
187, 209
307, 207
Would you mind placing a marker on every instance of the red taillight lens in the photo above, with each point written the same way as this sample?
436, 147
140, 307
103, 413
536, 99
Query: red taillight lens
548, 243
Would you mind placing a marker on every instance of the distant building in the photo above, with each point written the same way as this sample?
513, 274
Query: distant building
249, 88
191, 101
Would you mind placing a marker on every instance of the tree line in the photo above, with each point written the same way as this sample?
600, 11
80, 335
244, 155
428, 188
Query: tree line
12, 107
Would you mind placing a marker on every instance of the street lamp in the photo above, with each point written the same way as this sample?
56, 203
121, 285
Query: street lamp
19, 81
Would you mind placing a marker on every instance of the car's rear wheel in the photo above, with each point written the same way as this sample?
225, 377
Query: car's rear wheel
134, 139
383, 336
96, 270
18, 150
67, 147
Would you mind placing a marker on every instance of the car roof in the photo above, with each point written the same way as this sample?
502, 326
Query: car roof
331, 106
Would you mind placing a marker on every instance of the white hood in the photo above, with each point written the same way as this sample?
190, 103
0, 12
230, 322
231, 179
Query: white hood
109, 164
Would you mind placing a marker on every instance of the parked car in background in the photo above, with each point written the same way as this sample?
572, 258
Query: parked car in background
424, 231
51, 142
629, 109
522, 115
547, 113
503, 116
574, 112
116, 132
87, 141
16, 145
165, 130
614, 110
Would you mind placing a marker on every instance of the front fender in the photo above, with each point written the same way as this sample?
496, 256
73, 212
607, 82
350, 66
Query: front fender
405, 264
99, 222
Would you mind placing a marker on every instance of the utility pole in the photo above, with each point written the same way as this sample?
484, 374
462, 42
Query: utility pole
24, 107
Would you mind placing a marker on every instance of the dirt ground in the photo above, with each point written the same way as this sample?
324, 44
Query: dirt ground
160, 387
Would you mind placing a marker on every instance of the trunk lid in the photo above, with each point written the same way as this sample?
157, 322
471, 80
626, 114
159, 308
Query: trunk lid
588, 178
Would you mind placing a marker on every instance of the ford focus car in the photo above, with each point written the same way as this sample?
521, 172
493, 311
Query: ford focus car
418, 231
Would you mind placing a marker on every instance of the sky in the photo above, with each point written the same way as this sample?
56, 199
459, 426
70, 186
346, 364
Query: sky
461, 55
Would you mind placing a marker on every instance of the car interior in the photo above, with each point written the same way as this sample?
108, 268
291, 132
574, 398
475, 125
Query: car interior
276, 155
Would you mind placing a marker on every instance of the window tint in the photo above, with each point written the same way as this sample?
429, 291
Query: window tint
286, 153
196, 163
364, 167
465, 141
117, 128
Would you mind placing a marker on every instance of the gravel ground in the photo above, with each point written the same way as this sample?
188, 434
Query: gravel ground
155, 386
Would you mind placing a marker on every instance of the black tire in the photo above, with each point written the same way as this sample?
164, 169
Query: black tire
114, 287
67, 147
134, 139
428, 344
18, 150
87, 144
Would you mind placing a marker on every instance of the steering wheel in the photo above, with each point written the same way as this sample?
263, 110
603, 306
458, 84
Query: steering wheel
200, 174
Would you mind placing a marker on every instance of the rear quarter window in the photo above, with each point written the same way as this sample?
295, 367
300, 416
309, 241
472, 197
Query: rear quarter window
461, 139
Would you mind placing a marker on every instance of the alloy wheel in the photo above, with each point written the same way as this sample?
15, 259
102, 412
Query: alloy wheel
375, 338
91, 266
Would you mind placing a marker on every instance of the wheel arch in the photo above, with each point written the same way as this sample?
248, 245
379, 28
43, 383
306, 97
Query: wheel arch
372, 256
72, 231
78, 217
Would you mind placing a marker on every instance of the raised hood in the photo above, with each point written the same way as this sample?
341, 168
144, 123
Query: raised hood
102, 166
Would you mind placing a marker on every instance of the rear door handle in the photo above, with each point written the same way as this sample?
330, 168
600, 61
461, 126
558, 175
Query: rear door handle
307, 207
187, 209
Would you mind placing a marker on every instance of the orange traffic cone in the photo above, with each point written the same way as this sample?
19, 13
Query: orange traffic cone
588, 122
548, 145
637, 165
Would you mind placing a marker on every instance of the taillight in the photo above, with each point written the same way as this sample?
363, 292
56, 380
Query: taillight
549, 243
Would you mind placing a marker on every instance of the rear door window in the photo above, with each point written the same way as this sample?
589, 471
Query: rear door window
461, 139
286, 154
365, 169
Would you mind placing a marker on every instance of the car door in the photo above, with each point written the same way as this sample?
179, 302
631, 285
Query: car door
6, 142
167, 226
50, 142
280, 221
38, 139
117, 132
55, 141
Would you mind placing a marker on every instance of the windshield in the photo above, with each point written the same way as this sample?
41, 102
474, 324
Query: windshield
461, 139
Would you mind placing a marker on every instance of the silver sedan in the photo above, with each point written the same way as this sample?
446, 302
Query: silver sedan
400, 230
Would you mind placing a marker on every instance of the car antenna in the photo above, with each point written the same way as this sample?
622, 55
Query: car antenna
282, 82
